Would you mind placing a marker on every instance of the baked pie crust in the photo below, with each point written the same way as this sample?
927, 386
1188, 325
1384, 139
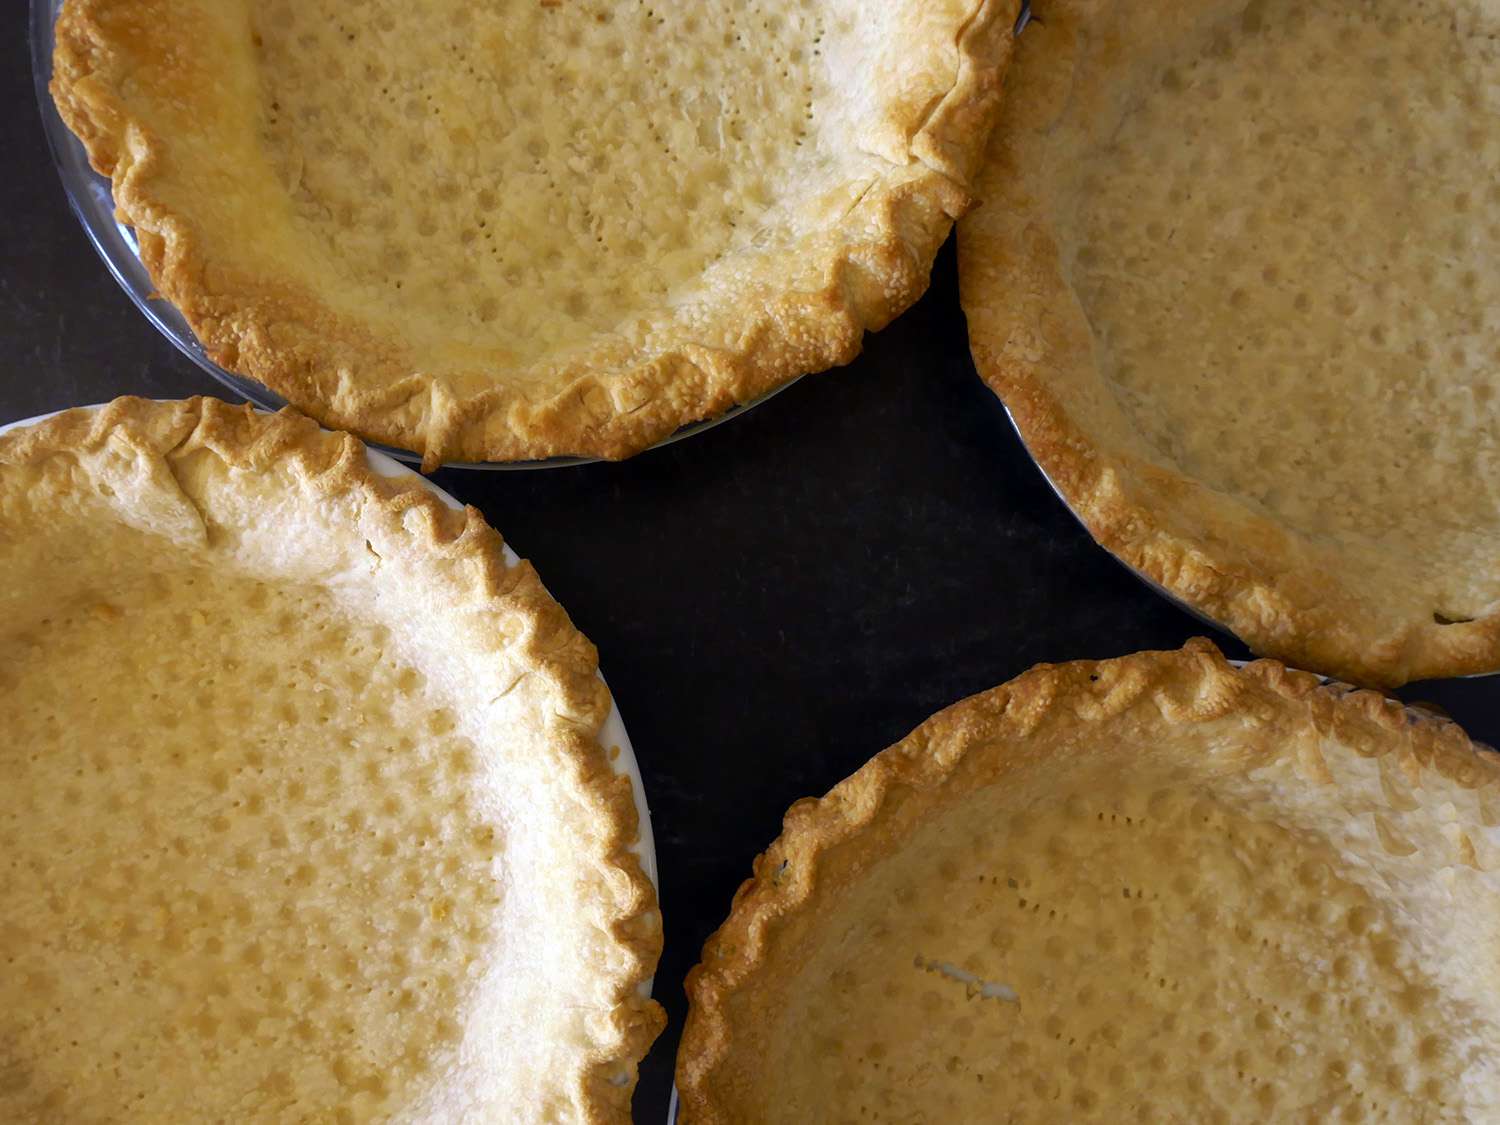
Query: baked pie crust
1154, 888
1233, 281
305, 815
512, 231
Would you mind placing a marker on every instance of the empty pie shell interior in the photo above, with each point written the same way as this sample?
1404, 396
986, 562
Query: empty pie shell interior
1235, 278
1148, 889
511, 231
305, 816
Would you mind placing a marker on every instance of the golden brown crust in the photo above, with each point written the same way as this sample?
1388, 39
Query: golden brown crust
467, 565
1080, 709
1292, 596
780, 317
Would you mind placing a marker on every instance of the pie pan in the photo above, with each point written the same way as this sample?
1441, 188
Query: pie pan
427, 816
114, 241
1171, 290
661, 250
1417, 717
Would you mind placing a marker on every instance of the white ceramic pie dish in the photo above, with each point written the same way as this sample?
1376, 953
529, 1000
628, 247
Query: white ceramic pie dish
90, 199
613, 734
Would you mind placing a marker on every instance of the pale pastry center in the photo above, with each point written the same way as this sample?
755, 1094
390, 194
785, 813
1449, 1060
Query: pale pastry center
1121, 954
527, 174
1287, 252
241, 876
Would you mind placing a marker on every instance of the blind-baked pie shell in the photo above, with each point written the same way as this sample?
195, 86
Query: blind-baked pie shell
1148, 889
512, 231
1234, 280
305, 816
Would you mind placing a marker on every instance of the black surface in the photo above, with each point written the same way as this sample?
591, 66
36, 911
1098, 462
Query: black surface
773, 601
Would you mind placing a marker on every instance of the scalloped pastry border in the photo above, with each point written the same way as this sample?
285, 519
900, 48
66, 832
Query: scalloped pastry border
610, 401
326, 464
1193, 684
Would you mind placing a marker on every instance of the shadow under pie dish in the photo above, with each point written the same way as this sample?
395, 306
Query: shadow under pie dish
1147, 889
538, 229
306, 811
1233, 280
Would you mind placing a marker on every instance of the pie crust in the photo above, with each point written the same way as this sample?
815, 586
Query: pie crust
1233, 286
305, 813
1153, 888
518, 231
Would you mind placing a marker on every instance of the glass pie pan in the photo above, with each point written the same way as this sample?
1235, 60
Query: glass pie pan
613, 739
91, 201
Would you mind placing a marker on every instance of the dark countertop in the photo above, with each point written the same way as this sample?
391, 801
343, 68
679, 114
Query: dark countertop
774, 600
